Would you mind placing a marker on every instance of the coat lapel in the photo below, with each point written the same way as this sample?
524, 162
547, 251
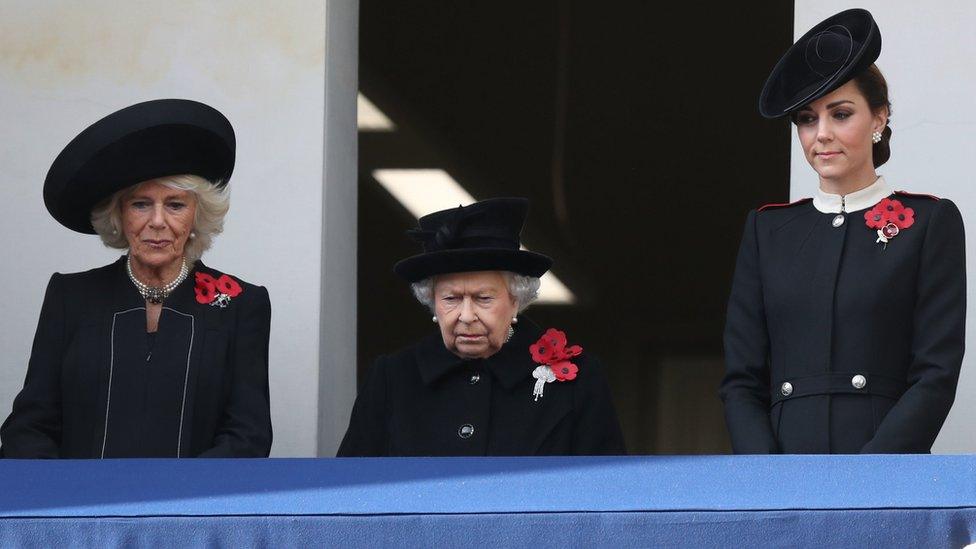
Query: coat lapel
526, 425
183, 327
172, 370
121, 299
434, 360
513, 362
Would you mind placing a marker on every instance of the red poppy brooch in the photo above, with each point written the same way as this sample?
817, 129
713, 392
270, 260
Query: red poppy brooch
216, 292
889, 217
552, 354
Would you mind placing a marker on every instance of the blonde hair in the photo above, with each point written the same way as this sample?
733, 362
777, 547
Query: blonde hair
212, 203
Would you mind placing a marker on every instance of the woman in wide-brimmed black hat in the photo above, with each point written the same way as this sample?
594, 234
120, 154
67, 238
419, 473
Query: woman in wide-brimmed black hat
156, 354
489, 382
846, 320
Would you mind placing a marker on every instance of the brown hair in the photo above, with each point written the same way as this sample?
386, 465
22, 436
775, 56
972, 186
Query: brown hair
872, 85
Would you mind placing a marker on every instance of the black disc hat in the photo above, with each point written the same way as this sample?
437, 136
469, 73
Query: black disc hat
148, 140
822, 60
481, 237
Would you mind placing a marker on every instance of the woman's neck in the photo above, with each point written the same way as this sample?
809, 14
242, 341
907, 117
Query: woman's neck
156, 275
850, 184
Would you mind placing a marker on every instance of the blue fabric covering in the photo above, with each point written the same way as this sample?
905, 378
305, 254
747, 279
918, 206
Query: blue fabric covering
630, 501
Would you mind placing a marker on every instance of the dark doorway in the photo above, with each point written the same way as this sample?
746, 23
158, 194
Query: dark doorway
633, 129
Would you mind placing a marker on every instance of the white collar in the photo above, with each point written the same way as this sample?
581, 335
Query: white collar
852, 202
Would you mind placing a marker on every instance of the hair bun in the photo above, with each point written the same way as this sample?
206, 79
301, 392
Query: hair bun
881, 151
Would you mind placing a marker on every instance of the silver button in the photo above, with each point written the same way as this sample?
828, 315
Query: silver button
859, 381
466, 430
475, 378
786, 389
838, 220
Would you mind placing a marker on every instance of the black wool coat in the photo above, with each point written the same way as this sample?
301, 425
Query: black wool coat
813, 305
98, 387
426, 401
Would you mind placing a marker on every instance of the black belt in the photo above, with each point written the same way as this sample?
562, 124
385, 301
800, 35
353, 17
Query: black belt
852, 383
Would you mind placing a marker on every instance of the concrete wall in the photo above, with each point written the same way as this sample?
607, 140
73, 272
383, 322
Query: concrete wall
927, 58
337, 349
64, 64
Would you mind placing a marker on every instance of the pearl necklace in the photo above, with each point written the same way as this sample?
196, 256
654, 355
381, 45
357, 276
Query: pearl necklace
155, 294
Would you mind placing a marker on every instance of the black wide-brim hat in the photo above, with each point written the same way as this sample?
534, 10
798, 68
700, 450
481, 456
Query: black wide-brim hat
148, 140
481, 237
822, 60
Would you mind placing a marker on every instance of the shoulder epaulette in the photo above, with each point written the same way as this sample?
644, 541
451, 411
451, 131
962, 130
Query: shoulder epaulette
784, 204
917, 195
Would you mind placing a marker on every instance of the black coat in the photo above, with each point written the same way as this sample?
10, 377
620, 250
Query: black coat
418, 401
814, 305
97, 387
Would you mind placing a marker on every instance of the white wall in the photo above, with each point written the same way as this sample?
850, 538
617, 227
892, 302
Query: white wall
927, 58
64, 64
337, 349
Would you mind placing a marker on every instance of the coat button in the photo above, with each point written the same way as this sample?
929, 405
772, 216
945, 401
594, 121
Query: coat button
859, 381
475, 378
838, 220
786, 389
466, 430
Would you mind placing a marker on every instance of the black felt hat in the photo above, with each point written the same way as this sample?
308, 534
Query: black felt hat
481, 237
821, 61
145, 141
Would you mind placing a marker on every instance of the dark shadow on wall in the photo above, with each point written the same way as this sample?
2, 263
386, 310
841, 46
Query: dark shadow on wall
632, 128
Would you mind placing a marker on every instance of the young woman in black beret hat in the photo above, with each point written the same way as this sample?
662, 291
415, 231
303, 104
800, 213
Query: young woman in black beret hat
846, 320
156, 354
488, 382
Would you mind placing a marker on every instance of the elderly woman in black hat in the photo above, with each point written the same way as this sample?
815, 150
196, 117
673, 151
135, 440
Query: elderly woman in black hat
846, 320
156, 354
489, 382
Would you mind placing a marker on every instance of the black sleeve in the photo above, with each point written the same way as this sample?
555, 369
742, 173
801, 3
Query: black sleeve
938, 340
245, 426
596, 430
745, 388
367, 434
33, 429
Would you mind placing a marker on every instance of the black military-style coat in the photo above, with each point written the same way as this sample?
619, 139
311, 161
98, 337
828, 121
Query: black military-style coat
98, 387
837, 343
426, 401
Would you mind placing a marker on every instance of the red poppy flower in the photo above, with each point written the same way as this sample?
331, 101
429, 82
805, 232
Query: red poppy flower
551, 350
228, 285
542, 352
206, 288
564, 370
569, 352
889, 211
204, 278
895, 212
890, 206
875, 218
555, 338
206, 293
904, 218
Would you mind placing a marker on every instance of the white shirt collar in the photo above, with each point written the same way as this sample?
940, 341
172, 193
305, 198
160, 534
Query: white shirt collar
852, 202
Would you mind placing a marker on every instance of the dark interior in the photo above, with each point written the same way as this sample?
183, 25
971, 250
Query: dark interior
633, 129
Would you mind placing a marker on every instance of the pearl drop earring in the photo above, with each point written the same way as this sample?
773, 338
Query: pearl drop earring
434, 319
876, 137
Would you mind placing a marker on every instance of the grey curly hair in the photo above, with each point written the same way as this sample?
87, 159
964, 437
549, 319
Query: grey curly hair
212, 203
525, 290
